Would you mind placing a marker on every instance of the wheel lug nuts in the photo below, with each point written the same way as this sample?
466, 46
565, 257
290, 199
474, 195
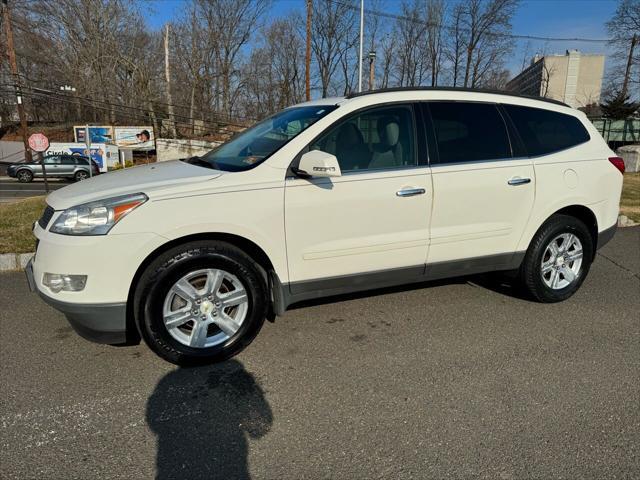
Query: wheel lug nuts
203, 317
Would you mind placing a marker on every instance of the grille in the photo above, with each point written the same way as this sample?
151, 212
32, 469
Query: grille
46, 217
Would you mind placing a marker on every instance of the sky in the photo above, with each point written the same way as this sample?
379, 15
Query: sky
547, 18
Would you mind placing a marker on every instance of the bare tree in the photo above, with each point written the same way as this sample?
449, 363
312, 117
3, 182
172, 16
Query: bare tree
624, 31
411, 34
435, 25
333, 36
487, 23
455, 47
230, 24
547, 72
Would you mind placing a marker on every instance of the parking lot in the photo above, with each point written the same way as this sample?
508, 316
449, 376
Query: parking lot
452, 379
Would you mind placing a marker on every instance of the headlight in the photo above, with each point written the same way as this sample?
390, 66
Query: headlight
96, 218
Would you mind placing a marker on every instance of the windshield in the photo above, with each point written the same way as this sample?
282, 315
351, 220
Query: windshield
254, 145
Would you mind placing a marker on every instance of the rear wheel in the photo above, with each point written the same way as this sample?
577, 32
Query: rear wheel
80, 175
558, 259
201, 303
24, 176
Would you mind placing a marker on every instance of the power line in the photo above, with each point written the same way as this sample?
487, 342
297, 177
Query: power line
122, 110
450, 28
118, 107
221, 117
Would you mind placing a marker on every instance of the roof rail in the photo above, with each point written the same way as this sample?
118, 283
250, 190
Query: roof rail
456, 89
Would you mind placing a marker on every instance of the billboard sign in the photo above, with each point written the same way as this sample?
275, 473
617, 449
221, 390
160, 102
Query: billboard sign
97, 134
134, 138
103, 154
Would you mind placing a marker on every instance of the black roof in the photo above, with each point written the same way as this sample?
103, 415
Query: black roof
456, 89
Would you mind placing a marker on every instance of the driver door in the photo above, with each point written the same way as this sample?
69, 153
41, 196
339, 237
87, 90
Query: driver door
51, 165
371, 224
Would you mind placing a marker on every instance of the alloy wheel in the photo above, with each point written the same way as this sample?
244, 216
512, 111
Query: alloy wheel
205, 308
561, 261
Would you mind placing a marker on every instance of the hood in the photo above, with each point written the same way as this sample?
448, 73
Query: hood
146, 179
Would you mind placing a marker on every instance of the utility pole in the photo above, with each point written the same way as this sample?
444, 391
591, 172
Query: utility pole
372, 69
627, 73
307, 65
167, 73
361, 42
16, 80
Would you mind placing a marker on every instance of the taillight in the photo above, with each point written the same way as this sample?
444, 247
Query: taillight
618, 163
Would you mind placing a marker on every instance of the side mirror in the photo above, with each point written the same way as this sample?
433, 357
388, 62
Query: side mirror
317, 163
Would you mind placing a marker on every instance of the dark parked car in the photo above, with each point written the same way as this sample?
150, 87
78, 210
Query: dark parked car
57, 166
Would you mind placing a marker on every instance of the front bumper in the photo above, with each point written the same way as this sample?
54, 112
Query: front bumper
100, 323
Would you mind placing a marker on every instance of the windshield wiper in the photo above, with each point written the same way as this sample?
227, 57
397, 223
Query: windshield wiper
195, 160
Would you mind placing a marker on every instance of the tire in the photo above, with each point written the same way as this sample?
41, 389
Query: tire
80, 175
552, 281
24, 176
155, 296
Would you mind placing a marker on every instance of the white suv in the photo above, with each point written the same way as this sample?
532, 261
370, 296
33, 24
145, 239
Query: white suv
323, 198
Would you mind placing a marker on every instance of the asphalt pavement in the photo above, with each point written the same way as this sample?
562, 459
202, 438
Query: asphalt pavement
455, 379
12, 190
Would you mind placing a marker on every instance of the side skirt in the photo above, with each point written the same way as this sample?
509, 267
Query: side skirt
284, 295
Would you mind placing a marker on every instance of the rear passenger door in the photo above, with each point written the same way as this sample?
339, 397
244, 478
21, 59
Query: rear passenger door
68, 166
482, 193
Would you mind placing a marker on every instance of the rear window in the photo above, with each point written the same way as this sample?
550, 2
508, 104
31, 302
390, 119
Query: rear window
468, 132
544, 131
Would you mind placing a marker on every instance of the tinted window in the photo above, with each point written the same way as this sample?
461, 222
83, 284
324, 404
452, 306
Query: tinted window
467, 132
82, 161
543, 131
377, 138
53, 160
68, 161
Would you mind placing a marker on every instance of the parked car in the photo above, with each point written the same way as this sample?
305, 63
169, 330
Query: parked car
324, 198
56, 166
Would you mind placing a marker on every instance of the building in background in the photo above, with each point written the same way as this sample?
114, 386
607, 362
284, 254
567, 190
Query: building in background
573, 78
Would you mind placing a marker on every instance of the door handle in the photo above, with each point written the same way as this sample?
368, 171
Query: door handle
410, 192
519, 181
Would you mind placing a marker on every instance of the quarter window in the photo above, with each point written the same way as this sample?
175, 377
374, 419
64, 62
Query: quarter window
378, 138
467, 132
544, 131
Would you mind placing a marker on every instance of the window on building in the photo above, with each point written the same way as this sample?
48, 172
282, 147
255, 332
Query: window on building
467, 132
544, 131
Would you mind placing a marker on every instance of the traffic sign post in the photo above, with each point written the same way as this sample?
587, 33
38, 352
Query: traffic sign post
39, 143
87, 142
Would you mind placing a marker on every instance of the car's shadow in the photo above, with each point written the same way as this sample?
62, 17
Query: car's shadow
202, 418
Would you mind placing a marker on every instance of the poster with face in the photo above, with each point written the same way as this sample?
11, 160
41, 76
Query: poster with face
135, 138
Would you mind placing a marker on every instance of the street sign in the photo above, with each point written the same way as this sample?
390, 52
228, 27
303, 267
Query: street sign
38, 142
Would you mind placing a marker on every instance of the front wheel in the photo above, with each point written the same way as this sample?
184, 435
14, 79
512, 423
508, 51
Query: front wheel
558, 259
25, 176
201, 303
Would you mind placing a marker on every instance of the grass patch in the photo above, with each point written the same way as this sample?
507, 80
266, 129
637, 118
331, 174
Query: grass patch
16, 220
630, 201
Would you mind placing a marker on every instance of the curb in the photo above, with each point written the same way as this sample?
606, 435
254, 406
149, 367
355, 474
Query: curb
14, 261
